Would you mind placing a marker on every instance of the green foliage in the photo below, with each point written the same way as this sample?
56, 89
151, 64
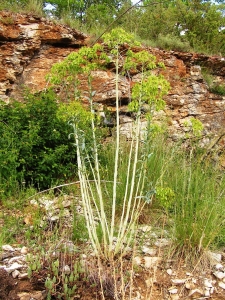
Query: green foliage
7, 20
119, 36
141, 60
81, 10
157, 129
172, 42
150, 91
80, 233
11, 228
166, 197
177, 25
195, 126
84, 61
24, 6
99, 15
218, 89
210, 38
192, 194
214, 86
61, 272
74, 109
34, 141
34, 7
199, 207
5, 4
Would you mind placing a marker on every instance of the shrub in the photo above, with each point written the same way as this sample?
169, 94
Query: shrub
218, 89
214, 87
23, 6
34, 141
172, 42
34, 7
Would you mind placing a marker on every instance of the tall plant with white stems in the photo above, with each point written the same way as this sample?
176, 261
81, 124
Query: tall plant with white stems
150, 89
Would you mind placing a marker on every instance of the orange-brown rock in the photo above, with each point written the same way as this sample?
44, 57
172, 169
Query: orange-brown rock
30, 45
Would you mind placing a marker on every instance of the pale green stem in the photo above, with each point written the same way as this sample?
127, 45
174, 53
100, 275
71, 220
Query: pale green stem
127, 187
124, 222
83, 189
97, 181
102, 221
96, 174
88, 211
116, 157
130, 214
131, 192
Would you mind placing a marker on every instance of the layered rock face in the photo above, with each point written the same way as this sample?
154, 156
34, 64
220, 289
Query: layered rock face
30, 45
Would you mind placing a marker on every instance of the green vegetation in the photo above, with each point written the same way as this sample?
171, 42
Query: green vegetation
192, 195
35, 149
34, 7
93, 196
214, 85
172, 25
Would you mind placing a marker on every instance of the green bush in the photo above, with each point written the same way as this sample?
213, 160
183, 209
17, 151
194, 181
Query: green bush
35, 148
172, 42
218, 89
214, 87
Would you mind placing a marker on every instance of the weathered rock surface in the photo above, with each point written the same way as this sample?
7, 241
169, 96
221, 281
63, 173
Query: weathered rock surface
30, 45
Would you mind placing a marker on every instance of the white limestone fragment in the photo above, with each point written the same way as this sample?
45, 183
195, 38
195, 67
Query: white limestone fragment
15, 273
7, 248
221, 284
24, 250
169, 272
150, 251
207, 283
13, 267
66, 269
137, 260
151, 262
173, 290
178, 281
219, 266
219, 274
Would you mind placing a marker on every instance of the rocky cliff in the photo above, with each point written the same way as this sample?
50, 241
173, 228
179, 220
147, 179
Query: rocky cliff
30, 45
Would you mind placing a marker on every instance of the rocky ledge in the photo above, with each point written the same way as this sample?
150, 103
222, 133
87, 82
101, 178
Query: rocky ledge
30, 45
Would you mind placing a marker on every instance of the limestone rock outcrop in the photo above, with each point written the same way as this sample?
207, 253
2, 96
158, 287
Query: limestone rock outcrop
30, 45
